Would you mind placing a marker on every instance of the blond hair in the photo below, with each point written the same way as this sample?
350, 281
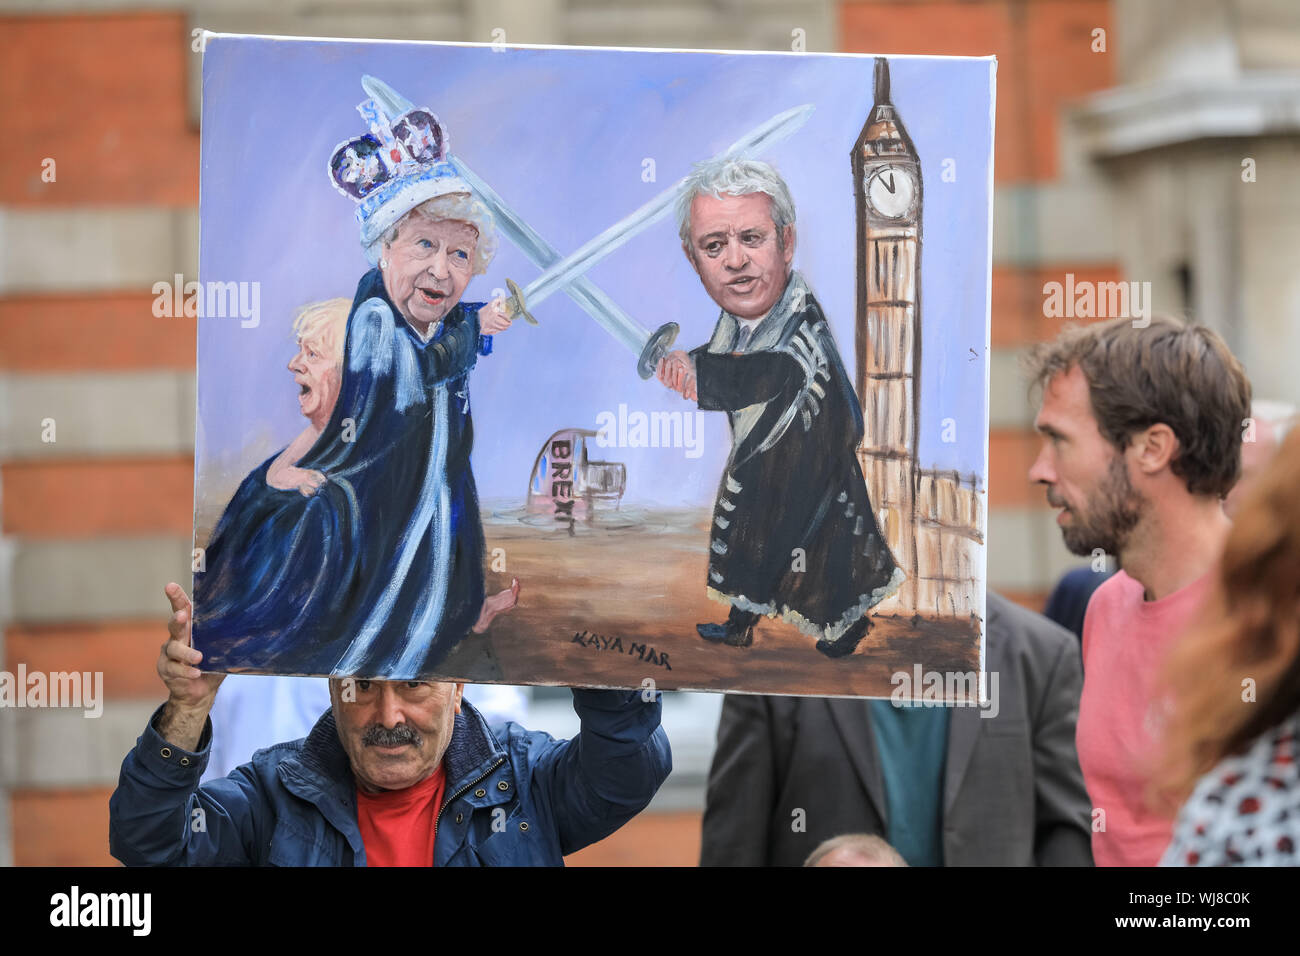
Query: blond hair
323, 326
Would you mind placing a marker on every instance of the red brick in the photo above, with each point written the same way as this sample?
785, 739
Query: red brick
1011, 453
1018, 301
651, 839
101, 332
86, 499
1044, 56
61, 827
125, 652
105, 97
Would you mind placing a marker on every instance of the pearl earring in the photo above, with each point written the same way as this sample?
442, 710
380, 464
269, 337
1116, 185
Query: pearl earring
383, 263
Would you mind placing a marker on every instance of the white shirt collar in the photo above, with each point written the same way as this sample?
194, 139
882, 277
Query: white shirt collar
426, 335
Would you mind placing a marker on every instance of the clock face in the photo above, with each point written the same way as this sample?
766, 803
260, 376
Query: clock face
891, 191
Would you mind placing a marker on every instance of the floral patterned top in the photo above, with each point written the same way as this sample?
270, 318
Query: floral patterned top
1246, 811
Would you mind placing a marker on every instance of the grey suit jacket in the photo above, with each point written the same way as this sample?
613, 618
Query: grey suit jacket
1013, 791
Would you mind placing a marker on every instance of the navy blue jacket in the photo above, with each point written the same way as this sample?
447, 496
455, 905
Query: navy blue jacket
294, 804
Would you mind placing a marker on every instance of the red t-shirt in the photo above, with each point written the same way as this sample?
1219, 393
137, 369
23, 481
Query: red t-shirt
1125, 640
397, 827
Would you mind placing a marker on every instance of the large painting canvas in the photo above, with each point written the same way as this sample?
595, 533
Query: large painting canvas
593, 366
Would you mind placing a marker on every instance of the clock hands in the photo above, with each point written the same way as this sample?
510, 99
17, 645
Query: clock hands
890, 191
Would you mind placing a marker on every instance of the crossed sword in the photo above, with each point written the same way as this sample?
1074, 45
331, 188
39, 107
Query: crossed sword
568, 273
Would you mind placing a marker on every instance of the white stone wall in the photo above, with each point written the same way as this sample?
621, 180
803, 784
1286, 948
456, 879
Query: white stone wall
1209, 86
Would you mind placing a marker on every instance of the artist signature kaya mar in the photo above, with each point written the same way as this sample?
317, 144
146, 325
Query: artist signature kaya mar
642, 652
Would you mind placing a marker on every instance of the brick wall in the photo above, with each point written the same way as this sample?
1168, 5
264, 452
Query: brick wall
95, 521
92, 524
1049, 220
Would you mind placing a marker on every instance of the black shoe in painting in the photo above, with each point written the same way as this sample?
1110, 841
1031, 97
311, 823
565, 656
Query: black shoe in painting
733, 634
849, 642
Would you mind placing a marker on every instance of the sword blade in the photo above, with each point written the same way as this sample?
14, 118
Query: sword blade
756, 141
589, 297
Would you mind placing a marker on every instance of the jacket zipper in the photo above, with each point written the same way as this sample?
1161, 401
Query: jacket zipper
455, 796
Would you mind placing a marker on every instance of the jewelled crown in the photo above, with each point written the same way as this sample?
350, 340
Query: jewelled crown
400, 163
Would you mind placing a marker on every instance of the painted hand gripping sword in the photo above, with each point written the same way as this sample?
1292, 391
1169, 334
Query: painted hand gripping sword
569, 273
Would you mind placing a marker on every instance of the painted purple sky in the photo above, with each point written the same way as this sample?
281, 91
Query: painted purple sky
562, 135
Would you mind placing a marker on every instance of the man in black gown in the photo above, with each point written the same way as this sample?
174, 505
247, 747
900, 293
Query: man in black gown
793, 533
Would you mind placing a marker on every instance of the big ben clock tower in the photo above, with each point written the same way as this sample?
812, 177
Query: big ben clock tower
887, 189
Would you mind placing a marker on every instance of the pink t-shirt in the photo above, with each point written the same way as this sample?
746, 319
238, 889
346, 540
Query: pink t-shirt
1124, 642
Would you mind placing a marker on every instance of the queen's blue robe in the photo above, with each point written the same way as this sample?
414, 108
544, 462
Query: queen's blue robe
379, 573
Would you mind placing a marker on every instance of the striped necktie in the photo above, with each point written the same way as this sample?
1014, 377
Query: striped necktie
746, 332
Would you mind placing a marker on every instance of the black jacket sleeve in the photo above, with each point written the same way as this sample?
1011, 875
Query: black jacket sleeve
456, 351
1062, 835
727, 382
742, 785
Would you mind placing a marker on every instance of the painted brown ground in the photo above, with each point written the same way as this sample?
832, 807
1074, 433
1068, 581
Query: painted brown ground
644, 585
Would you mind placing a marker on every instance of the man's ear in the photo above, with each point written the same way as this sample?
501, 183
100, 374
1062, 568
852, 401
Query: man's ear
787, 243
1154, 449
459, 693
690, 256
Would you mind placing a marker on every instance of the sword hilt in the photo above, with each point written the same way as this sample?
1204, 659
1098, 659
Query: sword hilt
656, 347
515, 304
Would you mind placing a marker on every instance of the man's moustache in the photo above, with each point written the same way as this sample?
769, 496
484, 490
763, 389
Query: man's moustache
376, 735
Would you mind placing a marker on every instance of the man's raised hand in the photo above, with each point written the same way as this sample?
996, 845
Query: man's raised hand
190, 691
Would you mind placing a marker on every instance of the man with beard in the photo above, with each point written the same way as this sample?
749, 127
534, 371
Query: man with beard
1142, 432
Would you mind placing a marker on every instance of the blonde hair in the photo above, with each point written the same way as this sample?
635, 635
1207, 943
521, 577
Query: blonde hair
324, 325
